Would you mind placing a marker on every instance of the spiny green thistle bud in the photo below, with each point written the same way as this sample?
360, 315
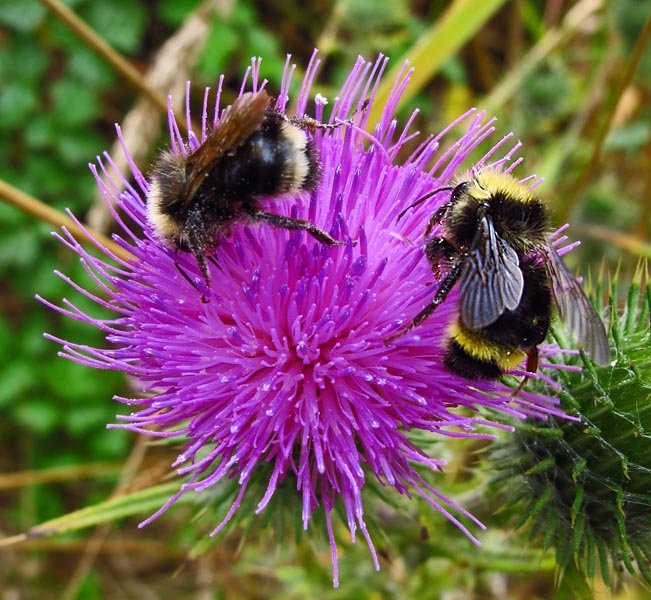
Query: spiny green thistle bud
586, 484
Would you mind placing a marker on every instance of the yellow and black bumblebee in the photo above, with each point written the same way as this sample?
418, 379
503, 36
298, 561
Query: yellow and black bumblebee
494, 242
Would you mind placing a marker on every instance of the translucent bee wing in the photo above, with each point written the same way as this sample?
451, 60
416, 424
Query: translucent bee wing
491, 280
238, 122
576, 310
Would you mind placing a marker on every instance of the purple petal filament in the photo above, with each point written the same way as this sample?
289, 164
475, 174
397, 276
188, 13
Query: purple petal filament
286, 366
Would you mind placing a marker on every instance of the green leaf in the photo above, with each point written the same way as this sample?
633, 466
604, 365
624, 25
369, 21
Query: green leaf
18, 100
87, 67
630, 138
16, 378
21, 60
88, 418
48, 285
19, 248
74, 382
75, 147
111, 443
173, 12
40, 131
244, 16
49, 179
120, 22
92, 587
74, 103
6, 334
39, 416
219, 47
264, 44
32, 342
142, 502
23, 16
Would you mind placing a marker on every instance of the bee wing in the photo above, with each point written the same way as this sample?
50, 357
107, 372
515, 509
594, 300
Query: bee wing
491, 280
239, 121
576, 310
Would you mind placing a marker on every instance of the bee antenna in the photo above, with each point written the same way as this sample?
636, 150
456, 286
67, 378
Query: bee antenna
423, 198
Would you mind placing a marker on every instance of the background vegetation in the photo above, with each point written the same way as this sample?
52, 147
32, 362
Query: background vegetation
562, 75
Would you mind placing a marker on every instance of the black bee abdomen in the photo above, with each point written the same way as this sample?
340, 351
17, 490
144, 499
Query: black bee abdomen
527, 325
459, 362
276, 159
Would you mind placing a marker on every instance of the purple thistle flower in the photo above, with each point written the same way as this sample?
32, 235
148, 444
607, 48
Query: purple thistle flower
286, 366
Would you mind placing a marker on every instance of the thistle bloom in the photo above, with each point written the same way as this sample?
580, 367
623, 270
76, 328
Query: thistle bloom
286, 366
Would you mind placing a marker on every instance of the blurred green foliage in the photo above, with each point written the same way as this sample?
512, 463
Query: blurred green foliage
51, 102
58, 104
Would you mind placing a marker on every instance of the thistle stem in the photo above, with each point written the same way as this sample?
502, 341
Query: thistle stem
31, 206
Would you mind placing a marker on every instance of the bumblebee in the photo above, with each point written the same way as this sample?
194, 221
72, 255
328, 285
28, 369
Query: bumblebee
252, 153
494, 242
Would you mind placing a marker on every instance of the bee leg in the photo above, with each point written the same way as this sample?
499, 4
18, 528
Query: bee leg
185, 276
213, 261
437, 217
196, 236
310, 124
203, 265
289, 223
531, 367
438, 251
441, 293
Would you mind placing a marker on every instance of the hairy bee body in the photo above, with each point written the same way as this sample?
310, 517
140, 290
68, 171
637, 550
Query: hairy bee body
489, 352
251, 154
493, 241
518, 217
